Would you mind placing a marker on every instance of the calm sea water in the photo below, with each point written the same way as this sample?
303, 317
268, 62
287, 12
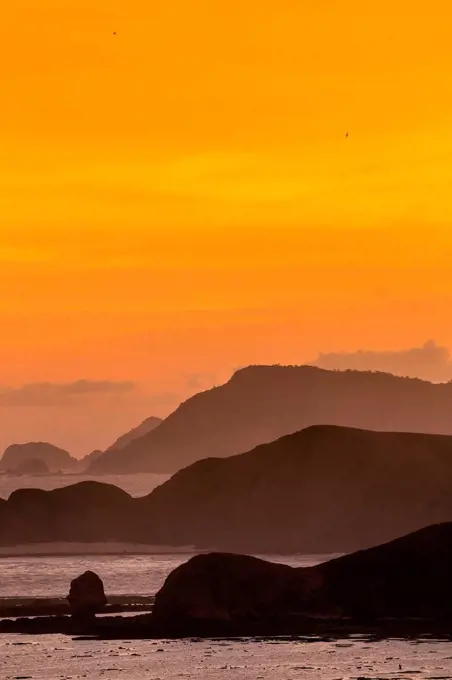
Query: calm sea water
59, 657
122, 575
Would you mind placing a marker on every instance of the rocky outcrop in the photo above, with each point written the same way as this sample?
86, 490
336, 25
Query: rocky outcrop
226, 587
407, 578
262, 403
86, 597
55, 459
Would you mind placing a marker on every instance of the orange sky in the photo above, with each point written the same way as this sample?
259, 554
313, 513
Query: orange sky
180, 198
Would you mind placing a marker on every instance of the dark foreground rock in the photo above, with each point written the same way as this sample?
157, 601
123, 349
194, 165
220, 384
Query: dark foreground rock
50, 607
86, 597
144, 627
409, 578
402, 589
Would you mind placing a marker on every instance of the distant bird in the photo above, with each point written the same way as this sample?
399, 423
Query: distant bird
400, 666
114, 32
346, 135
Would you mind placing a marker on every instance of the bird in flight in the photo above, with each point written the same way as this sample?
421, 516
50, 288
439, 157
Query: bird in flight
346, 135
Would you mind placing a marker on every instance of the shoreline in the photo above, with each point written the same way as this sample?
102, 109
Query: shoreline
113, 549
90, 549
143, 627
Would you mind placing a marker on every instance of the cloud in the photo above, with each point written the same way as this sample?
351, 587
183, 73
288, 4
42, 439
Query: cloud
54, 394
430, 362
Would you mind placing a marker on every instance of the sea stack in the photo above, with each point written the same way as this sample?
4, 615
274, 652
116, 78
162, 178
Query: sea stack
86, 597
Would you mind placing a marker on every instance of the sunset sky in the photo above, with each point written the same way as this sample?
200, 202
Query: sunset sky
180, 199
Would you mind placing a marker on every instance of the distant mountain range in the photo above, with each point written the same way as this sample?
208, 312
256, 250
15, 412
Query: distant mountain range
325, 489
26, 458
261, 403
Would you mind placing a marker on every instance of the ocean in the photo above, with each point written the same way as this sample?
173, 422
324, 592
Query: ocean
49, 577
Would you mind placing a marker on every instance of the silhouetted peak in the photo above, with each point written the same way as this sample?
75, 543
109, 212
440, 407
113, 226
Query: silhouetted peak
144, 428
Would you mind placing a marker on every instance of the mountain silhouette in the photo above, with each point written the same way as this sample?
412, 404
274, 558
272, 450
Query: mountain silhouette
261, 403
325, 489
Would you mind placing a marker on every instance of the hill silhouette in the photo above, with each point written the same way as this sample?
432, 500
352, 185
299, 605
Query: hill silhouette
261, 403
55, 459
325, 489
87, 511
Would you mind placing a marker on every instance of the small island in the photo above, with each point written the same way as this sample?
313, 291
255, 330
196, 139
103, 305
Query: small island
18, 458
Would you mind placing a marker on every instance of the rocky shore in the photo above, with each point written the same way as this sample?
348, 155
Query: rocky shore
145, 627
400, 589
21, 607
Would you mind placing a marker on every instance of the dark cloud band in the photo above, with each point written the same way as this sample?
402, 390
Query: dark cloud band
50, 394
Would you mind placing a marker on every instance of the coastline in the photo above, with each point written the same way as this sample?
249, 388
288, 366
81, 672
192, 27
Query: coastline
143, 627
68, 549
